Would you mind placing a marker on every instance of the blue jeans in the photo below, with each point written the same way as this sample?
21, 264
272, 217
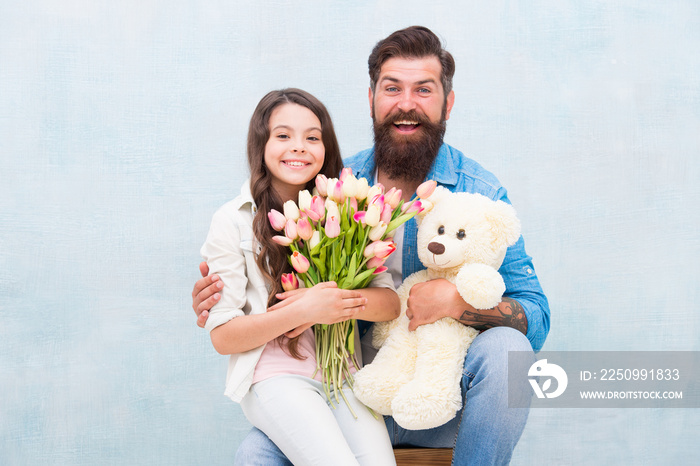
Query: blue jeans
486, 430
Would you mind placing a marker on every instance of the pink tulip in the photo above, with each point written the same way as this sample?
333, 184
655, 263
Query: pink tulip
277, 220
413, 206
353, 203
387, 213
289, 281
290, 230
299, 262
383, 249
380, 269
369, 250
375, 262
282, 240
345, 172
426, 189
317, 210
332, 227
338, 195
322, 185
359, 217
393, 197
377, 199
426, 206
304, 228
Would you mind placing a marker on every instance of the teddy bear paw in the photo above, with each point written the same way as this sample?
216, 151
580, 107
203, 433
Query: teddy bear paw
417, 407
374, 389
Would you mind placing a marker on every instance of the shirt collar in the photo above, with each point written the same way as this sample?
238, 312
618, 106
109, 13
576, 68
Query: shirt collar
368, 169
246, 198
443, 169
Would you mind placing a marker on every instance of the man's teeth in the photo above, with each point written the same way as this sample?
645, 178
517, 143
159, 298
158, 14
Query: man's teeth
406, 122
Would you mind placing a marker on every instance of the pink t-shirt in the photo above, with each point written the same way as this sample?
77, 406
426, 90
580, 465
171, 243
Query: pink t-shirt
274, 360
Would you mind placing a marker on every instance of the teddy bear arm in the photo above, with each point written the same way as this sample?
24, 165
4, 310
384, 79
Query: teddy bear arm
480, 286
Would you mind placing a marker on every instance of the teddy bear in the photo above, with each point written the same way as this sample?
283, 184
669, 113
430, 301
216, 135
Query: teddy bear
416, 376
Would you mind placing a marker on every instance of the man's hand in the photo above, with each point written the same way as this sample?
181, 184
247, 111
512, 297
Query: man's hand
432, 300
205, 294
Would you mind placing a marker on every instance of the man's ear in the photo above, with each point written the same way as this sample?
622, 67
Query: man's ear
371, 102
449, 102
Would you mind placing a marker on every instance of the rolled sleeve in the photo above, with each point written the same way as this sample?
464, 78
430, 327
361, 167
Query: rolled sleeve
223, 253
523, 286
382, 280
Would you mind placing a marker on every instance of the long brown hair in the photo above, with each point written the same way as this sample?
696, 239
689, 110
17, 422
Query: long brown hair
272, 258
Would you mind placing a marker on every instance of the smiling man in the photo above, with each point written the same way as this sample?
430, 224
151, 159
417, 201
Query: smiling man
410, 100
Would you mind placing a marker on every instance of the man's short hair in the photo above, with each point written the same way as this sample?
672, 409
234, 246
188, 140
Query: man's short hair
412, 42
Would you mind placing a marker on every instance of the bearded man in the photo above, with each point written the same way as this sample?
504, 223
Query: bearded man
410, 99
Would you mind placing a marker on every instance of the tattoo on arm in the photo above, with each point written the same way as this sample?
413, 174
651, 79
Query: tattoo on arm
508, 313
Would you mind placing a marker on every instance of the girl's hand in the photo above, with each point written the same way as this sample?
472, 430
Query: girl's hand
324, 303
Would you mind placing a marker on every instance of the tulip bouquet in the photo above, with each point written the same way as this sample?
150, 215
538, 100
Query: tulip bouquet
342, 233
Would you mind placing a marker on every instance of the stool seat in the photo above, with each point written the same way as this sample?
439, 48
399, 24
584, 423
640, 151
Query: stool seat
423, 456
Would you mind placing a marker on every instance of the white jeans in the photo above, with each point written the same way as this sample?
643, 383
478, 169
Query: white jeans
295, 413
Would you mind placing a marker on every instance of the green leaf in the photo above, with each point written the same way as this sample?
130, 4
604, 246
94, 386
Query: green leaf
312, 273
349, 238
352, 268
398, 221
350, 341
362, 277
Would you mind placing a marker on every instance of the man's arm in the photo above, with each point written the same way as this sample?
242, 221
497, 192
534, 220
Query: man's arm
508, 313
435, 299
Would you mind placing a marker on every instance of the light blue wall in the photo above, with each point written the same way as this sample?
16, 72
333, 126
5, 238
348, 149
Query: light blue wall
122, 129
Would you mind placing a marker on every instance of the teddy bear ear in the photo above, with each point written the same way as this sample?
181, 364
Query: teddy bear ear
505, 223
431, 201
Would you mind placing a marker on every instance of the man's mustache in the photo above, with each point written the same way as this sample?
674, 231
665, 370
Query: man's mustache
411, 115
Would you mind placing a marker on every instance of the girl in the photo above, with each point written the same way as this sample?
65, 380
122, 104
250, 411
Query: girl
267, 331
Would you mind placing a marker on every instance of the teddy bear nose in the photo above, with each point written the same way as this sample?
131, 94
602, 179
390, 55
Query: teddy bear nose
436, 248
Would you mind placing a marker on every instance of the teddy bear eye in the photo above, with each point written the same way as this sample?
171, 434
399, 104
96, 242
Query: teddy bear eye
461, 234
441, 230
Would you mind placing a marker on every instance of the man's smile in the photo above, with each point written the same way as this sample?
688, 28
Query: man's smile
406, 126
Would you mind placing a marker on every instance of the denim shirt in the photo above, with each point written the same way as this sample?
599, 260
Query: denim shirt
456, 172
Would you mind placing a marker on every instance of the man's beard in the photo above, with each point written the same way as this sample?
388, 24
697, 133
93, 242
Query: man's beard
407, 157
